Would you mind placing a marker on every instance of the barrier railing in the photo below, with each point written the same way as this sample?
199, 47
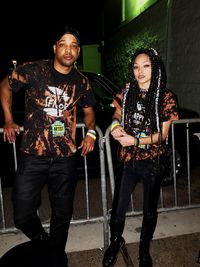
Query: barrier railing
172, 192
186, 123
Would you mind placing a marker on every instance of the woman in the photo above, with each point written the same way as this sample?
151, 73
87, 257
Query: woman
144, 112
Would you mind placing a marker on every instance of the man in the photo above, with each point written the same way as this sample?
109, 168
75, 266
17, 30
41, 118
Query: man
48, 149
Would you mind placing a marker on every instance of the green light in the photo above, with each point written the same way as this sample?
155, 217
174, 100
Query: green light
133, 8
141, 2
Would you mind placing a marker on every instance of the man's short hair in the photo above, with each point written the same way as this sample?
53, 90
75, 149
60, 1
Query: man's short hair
67, 29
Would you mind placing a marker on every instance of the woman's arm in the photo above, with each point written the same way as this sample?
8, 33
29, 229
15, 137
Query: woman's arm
128, 140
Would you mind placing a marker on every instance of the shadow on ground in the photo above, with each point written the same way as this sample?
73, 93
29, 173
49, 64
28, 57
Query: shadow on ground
180, 251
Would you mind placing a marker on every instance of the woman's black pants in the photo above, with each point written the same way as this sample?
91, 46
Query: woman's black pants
150, 173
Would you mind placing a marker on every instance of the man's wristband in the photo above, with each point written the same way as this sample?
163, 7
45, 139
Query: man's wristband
91, 135
92, 131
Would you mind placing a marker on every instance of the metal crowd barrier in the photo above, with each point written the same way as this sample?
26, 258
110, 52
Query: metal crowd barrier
104, 145
162, 207
87, 219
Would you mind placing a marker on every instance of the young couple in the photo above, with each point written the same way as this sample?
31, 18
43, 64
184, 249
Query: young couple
141, 122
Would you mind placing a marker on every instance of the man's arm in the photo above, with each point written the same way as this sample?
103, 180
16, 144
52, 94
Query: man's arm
88, 142
89, 118
6, 100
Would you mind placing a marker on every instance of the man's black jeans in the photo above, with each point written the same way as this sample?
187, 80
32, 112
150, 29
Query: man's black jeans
32, 174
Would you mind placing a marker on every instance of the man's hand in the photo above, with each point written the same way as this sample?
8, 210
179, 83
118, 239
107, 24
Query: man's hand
9, 131
87, 145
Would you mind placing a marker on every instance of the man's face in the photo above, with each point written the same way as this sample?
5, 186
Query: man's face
67, 50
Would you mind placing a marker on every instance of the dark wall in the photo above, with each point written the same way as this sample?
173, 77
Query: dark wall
184, 52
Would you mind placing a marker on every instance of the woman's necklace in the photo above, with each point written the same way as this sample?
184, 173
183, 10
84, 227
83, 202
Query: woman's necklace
143, 93
143, 90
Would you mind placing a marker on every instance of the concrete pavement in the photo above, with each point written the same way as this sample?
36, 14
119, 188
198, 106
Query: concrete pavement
87, 240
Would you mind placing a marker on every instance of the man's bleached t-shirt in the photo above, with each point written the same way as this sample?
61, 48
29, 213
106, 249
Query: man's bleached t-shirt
51, 100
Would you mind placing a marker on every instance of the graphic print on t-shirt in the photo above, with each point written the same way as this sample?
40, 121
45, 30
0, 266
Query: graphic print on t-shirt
56, 101
138, 116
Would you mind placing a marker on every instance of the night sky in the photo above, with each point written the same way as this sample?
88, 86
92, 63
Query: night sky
28, 31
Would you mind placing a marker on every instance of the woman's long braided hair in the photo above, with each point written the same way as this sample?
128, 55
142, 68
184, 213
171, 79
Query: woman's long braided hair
155, 93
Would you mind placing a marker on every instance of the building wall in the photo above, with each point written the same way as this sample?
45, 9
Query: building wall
91, 58
171, 26
184, 52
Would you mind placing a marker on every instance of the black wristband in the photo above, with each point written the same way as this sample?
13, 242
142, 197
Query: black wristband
137, 141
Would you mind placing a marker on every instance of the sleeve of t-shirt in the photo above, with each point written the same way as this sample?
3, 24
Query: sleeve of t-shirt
18, 78
88, 99
170, 107
117, 101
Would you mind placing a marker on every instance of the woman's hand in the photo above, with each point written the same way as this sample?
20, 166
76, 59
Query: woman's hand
126, 140
117, 132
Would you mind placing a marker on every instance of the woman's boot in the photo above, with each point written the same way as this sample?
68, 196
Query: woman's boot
110, 255
116, 241
147, 231
144, 255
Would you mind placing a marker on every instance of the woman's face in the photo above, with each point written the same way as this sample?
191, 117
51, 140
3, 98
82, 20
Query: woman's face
142, 71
